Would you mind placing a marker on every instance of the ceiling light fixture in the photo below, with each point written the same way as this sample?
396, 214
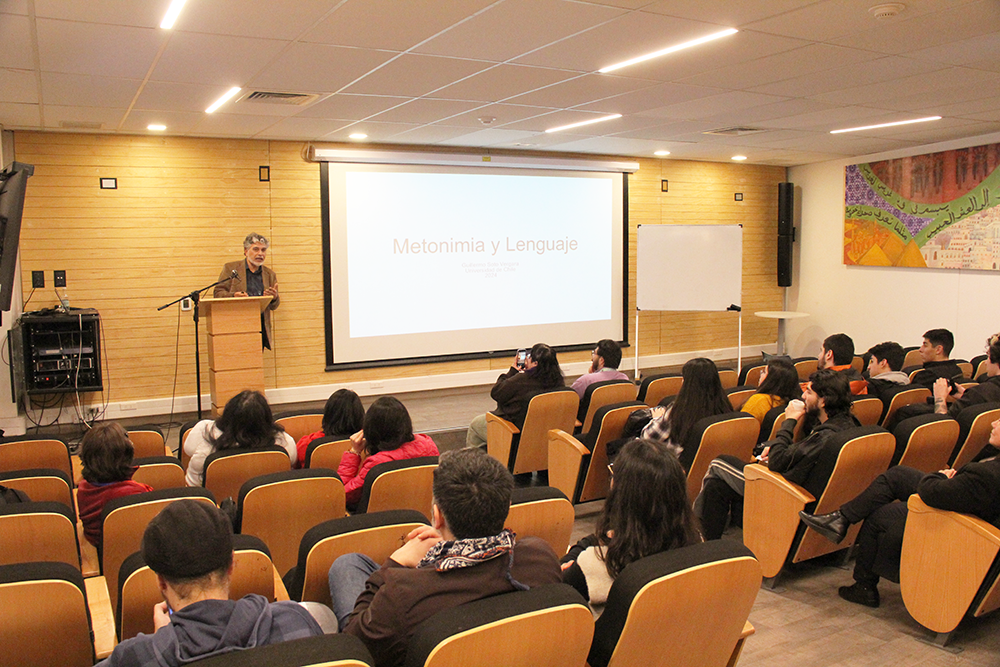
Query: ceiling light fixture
358, 135
898, 122
583, 122
739, 158
222, 100
172, 13
670, 49
156, 128
662, 153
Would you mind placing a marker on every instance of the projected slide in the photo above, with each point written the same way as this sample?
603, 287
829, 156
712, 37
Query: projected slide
430, 263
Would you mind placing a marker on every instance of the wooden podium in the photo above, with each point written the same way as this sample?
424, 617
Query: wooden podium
235, 352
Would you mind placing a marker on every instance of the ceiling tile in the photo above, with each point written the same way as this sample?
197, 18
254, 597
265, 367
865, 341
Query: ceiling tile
653, 97
351, 107
163, 96
415, 75
67, 46
492, 137
15, 35
14, 7
88, 91
733, 14
55, 115
220, 60
390, 24
300, 128
926, 83
111, 12
375, 130
982, 52
567, 117
667, 131
502, 82
232, 125
613, 146
830, 19
319, 68
426, 110
582, 90
503, 113
712, 105
273, 20
885, 68
966, 109
19, 86
16, 116
429, 134
177, 122
620, 39
514, 27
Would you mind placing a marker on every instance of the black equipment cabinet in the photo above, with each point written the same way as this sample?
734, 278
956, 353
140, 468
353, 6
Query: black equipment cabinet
53, 352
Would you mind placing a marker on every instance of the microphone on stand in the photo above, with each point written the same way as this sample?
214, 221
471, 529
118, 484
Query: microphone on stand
234, 277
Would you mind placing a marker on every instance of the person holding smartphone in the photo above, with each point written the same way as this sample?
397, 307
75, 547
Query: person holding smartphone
533, 371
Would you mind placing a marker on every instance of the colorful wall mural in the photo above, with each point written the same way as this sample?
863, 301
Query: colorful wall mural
938, 210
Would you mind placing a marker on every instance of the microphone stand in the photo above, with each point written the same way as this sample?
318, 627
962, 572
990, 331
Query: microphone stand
195, 297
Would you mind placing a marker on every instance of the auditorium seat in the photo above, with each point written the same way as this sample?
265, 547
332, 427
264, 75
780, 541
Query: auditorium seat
739, 394
750, 375
925, 442
280, 507
912, 357
896, 397
182, 435
42, 485
728, 377
974, 423
299, 423
527, 449
867, 409
336, 650
376, 535
771, 423
228, 469
732, 434
805, 366
654, 388
600, 394
399, 485
579, 466
686, 606
547, 625
542, 511
326, 452
147, 440
42, 531
27, 453
771, 526
159, 472
948, 569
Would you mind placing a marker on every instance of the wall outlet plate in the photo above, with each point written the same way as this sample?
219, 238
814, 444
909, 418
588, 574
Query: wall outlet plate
59, 278
37, 279
186, 304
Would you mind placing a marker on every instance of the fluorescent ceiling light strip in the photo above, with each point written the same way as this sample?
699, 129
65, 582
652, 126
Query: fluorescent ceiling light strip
172, 13
874, 127
584, 122
222, 100
670, 49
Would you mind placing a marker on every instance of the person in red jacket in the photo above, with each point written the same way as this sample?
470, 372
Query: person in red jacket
343, 415
387, 435
106, 454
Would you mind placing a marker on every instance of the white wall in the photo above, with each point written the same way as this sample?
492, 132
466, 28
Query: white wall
874, 304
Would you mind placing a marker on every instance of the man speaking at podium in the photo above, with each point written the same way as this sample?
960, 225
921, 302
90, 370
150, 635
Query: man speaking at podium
251, 278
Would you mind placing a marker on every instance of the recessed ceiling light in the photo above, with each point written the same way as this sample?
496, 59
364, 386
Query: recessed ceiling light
156, 128
584, 122
172, 12
662, 153
669, 49
358, 135
739, 158
899, 122
222, 100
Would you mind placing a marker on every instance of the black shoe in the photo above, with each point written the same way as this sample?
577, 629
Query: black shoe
832, 526
860, 593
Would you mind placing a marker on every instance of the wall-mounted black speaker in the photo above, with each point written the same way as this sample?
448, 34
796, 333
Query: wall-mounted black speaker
785, 260
786, 208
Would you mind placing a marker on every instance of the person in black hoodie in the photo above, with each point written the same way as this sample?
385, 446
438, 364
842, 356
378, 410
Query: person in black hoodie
935, 350
827, 400
189, 545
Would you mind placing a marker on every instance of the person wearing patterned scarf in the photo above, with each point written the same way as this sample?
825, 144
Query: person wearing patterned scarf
465, 555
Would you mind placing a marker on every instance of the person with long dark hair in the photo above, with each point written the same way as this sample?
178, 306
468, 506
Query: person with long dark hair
779, 383
246, 423
343, 416
515, 388
386, 435
106, 454
700, 396
647, 511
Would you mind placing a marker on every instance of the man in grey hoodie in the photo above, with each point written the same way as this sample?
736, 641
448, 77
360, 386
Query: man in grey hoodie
189, 545
885, 364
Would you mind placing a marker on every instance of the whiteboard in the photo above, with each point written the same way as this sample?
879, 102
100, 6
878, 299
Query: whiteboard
689, 267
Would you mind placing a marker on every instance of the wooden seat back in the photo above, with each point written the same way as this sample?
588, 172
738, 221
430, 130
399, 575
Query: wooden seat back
526, 450
728, 377
734, 434
326, 452
867, 409
738, 395
655, 388
906, 395
608, 393
227, 470
542, 511
159, 472
147, 441
977, 421
299, 424
805, 366
399, 485
42, 531
42, 485
930, 440
30, 453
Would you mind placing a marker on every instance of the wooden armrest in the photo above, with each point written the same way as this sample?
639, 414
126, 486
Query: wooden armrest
280, 592
747, 630
500, 421
102, 618
565, 461
758, 472
979, 527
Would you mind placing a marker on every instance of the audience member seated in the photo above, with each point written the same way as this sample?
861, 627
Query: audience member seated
604, 361
827, 398
466, 555
106, 454
386, 435
343, 416
189, 545
838, 355
779, 383
700, 396
246, 423
985, 392
975, 489
646, 512
885, 365
515, 388
934, 350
